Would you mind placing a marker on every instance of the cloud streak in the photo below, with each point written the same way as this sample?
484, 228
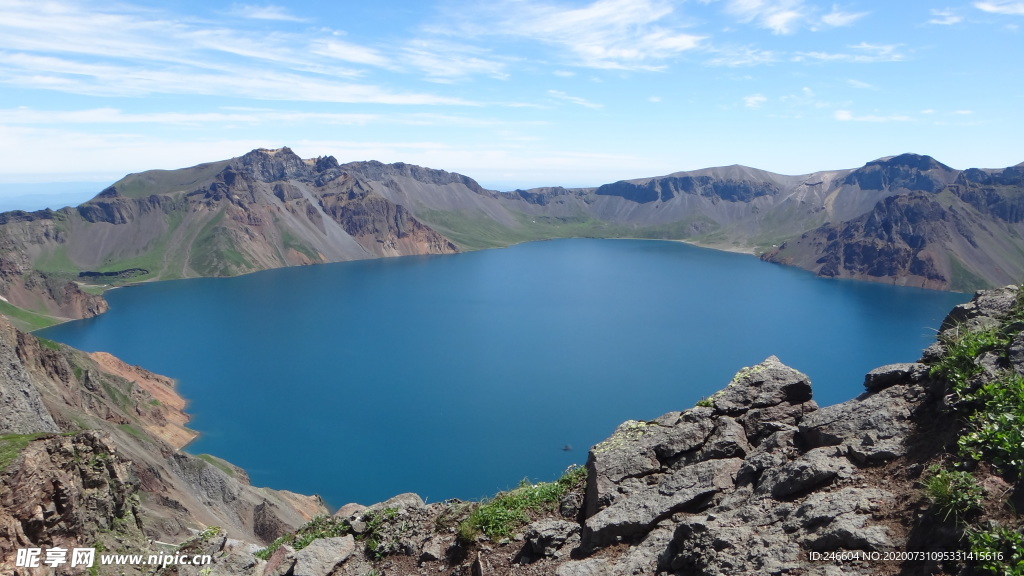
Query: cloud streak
1001, 7
607, 34
860, 53
787, 16
847, 116
574, 100
268, 12
945, 17
69, 47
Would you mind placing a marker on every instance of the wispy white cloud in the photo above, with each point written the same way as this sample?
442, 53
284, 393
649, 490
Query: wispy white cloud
69, 47
113, 116
805, 99
837, 18
847, 116
861, 53
862, 85
1012, 7
44, 72
654, 99
945, 17
754, 100
444, 62
268, 12
609, 34
574, 99
349, 52
788, 16
740, 56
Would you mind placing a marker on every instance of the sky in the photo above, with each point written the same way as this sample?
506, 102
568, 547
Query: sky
513, 93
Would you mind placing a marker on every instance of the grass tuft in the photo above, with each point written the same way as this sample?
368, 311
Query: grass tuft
953, 492
508, 511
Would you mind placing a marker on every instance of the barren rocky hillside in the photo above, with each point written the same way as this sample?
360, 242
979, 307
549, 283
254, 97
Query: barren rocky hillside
89, 456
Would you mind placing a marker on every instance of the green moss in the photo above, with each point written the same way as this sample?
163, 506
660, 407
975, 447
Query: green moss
627, 432
220, 464
122, 400
315, 529
11, 446
135, 432
48, 344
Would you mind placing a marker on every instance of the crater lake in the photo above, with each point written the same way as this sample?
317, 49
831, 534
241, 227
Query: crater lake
458, 376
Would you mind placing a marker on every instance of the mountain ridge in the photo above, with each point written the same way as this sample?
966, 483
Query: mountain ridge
271, 208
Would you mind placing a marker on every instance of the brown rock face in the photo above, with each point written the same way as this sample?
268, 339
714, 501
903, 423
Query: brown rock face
63, 492
915, 239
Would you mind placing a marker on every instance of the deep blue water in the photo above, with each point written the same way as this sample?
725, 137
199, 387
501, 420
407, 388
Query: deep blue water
457, 376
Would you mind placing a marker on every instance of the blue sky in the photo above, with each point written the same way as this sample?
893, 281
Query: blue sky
514, 93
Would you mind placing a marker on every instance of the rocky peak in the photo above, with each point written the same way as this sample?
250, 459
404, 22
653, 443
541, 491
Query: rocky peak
728, 188
906, 171
271, 165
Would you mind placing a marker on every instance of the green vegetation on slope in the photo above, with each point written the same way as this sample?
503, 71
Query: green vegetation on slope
11, 446
220, 464
508, 511
153, 182
964, 280
477, 231
26, 319
214, 252
992, 412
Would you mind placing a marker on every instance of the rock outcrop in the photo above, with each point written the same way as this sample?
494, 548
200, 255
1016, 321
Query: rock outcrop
90, 457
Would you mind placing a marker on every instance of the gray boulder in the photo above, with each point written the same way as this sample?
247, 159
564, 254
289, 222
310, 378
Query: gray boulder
983, 311
589, 567
891, 374
547, 537
323, 555
767, 384
873, 428
810, 470
646, 504
1016, 354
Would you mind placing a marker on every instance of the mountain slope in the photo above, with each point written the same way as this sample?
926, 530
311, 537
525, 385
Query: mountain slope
266, 209
947, 230
270, 208
91, 455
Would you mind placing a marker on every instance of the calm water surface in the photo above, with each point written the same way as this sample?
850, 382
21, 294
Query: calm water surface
457, 376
